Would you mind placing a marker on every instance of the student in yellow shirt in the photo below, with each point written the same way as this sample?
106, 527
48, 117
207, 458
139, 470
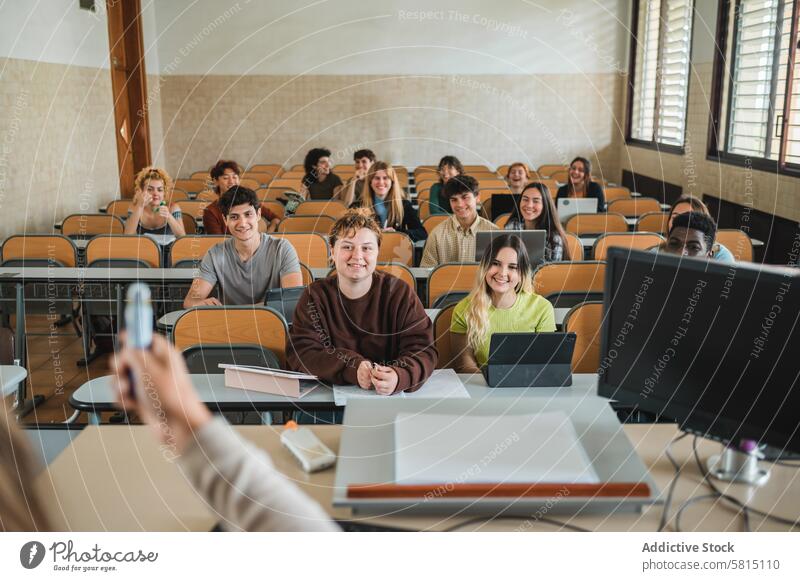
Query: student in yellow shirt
502, 301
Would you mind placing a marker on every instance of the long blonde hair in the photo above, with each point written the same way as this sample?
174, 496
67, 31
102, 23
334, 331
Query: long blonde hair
20, 509
480, 298
394, 199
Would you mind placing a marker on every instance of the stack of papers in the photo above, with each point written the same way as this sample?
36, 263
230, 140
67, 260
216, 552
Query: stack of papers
456, 449
443, 383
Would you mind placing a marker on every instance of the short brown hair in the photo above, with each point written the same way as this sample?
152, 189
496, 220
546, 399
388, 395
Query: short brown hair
352, 221
219, 168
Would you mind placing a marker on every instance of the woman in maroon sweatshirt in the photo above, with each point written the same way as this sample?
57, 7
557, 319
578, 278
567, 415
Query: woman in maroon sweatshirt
362, 326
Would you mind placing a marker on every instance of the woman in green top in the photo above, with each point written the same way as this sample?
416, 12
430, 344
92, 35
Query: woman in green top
502, 301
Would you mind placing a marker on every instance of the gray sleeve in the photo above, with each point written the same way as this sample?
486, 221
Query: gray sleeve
240, 483
207, 271
287, 258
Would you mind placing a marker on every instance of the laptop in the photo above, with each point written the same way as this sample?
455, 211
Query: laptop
530, 360
534, 241
568, 207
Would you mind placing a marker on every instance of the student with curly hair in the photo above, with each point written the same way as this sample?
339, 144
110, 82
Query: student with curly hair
319, 183
150, 212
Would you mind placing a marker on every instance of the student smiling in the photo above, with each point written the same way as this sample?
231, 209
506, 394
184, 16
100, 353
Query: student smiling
536, 211
247, 264
580, 184
691, 234
362, 326
517, 177
502, 301
150, 213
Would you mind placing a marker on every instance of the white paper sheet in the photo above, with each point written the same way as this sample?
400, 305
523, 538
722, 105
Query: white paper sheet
443, 383
453, 449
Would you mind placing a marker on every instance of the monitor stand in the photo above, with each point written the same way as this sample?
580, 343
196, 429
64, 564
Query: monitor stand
738, 465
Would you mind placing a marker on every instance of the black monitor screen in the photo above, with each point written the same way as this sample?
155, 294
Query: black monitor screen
714, 346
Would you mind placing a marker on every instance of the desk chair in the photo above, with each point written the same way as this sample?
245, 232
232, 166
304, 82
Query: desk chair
332, 208
119, 208
191, 185
316, 224
442, 338
193, 208
82, 226
502, 220
561, 176
201, 175
431, 222
396, 247
100, 305
42, 250
450, 283
547, 170
275, 207
618, 193
573, 281
737, 242
596, 223
629, 240
586, 321
575, 247
634, 207
271, 168
250, 183
232, 325
657, 222
312, 249
261, 178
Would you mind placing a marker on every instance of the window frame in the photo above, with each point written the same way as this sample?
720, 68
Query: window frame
653, 145
721, 68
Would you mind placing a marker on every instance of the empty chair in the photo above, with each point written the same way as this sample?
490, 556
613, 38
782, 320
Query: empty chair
489, 183
634, 207
249, 183
201, 175
316, 224
193, 208
122, 251
450, 278
119, 208
88, 225
281, 183
502, 220
260, 178
271, 168
188, 251
596, 223
629, 240
207, 196
442, 338
396, 247
201, 326
191, 186
575, 278
332, 208
575, 246
738, 242
39, 250
561, 176
312, 249
617, 193
177, 196
548, 170
657, 222
586, 321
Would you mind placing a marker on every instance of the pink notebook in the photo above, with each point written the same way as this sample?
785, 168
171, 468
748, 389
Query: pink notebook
267, 380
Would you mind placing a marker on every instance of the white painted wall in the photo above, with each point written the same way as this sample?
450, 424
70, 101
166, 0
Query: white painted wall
54, 31
285, 37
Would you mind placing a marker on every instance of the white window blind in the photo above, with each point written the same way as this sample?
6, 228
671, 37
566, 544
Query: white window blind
661, 75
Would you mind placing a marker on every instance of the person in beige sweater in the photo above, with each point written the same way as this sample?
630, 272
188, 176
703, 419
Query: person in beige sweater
238, 480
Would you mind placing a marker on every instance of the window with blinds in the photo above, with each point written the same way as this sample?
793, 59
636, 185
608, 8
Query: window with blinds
661, 71
754, 120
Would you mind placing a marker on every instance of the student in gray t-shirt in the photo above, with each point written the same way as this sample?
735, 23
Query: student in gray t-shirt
249, 263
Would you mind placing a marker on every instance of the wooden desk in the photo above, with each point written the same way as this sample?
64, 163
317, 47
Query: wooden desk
116, 478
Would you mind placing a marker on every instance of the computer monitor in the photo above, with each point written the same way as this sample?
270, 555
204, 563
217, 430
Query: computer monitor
714, 346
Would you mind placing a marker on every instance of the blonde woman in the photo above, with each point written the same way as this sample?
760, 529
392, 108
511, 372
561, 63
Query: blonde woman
150, 212
502, 301
381, 195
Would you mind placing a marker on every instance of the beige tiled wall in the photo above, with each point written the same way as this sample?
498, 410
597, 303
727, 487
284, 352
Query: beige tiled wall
411, 120
57, 148
697, 175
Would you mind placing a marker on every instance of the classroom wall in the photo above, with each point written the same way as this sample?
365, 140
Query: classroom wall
697, 175
491, 83
57, 147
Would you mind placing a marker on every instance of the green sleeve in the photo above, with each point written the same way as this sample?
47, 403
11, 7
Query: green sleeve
458, 324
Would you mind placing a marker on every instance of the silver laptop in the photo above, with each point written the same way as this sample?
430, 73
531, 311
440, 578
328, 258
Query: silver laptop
534, 241
568, 207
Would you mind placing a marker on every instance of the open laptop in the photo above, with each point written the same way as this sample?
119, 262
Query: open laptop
534, 241
530, 360
568, 207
